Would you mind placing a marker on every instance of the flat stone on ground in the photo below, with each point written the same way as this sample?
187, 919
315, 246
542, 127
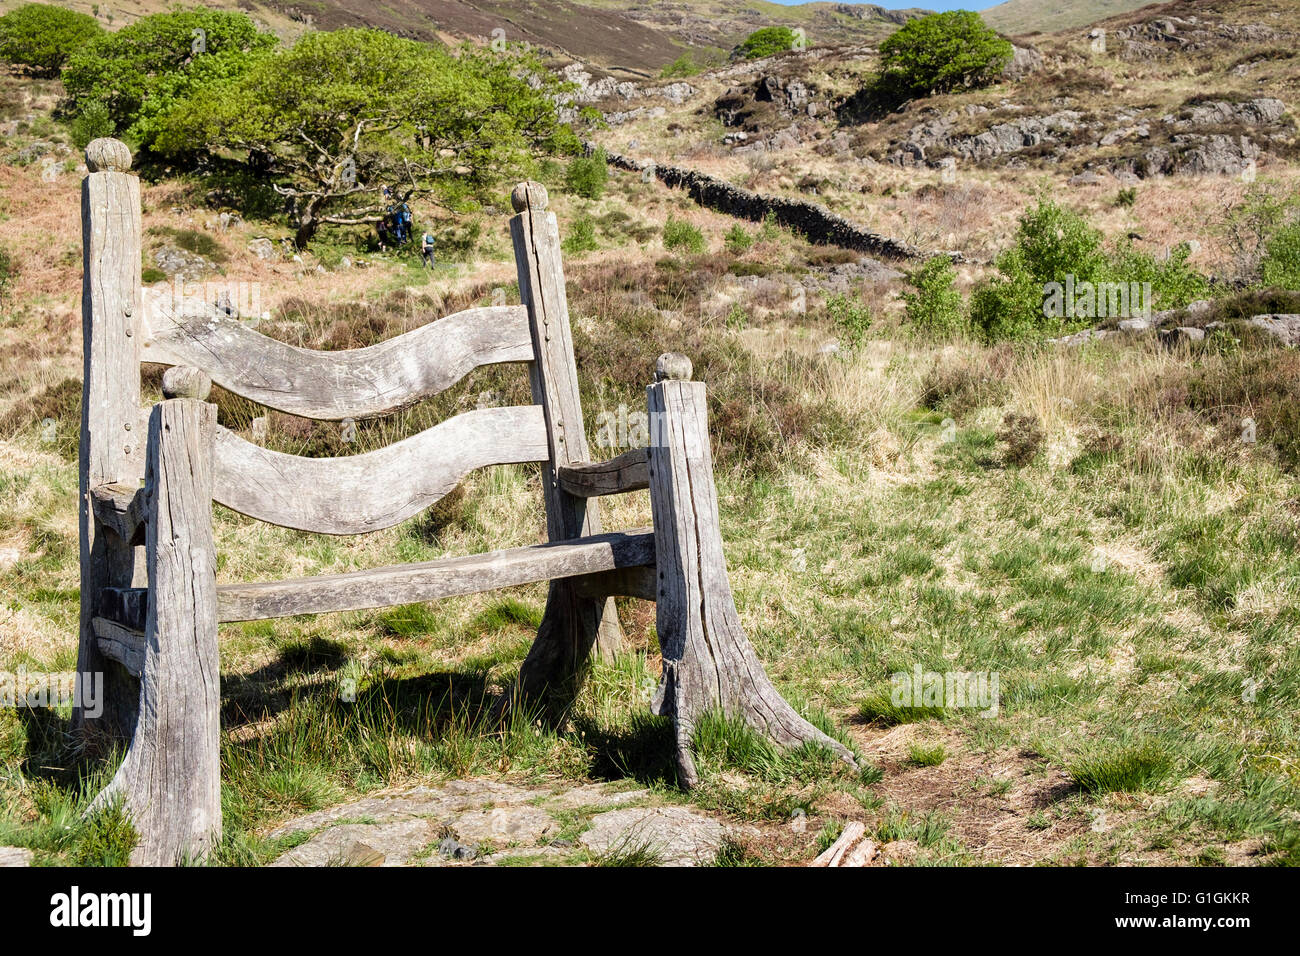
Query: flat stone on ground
362, 844
448, 800
597, 795
15, 856
680, 837
502, 825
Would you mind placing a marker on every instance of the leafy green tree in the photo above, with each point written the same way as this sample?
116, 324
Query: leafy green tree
343, 114
140, 72
42, 37
766, 42
941, 53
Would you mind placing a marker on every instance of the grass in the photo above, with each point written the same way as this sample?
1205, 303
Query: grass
1085, 523
923, 756
1135, 768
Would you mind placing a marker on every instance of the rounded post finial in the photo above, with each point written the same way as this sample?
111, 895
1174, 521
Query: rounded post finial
529, 196
186, 381
673, 366
107, 155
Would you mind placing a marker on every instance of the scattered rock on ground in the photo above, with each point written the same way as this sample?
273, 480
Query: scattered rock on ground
476, 820
15, 856
360, 844
1284, 328
179, 263
678, 836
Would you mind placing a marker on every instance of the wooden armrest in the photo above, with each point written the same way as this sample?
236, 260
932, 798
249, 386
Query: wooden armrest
121, 509
591, 479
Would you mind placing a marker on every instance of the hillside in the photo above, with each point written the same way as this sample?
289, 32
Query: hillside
1020, 17
630, 37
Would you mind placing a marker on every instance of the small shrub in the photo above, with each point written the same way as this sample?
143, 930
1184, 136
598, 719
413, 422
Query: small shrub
1021, 437
767, 42
936, 306
1280, 266
1054, 246
964, 383
1249, 226
587, 175
1126, 197
851, 318
1174, 284
106, 838
92, 122
7, 272
679, 234
738, 239
681, 67
581, 237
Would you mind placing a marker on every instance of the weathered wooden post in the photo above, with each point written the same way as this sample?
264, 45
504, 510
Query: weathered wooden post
572, 624
709, 663
111, 455
170, 779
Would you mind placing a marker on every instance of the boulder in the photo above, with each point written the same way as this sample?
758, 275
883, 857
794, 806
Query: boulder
676, 835
1024, 60
178, 263
1284, 328
1183, 335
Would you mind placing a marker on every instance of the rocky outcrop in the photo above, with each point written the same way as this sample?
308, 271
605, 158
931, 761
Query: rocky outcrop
1284, 328
869, 11
592, 90
1024, 61
1153, 39
1263, 111
1199, 144
1197, 155
812, 220
483, 822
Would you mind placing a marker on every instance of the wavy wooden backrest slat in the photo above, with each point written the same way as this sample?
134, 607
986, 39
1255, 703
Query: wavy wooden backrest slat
378, 489
337, 385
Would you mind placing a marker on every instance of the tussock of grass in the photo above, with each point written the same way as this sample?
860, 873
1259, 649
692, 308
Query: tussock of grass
1135, 768
879, 708
629, 852
923, 756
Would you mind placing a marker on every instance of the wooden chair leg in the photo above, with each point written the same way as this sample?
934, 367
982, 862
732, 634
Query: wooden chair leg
170, 779
573, 627
110, 417
709, 663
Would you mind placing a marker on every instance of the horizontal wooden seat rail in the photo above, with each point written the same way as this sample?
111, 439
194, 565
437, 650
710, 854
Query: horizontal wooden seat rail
378, 489
335, 385
600, 559
122, 644
591, 479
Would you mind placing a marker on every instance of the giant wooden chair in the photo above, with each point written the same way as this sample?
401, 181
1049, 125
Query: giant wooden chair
150, 602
